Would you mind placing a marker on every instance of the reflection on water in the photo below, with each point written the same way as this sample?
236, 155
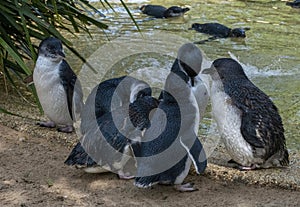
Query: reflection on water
269, 54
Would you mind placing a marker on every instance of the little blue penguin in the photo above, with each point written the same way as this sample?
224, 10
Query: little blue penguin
247, 119
294, 4
113, 118
158, 11
58, 89
171, 144
189, 60
219, 30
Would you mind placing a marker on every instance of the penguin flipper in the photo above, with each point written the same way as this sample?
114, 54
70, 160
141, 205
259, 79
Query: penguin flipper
78, 156
253, 103
250, 131
68, 80
196, 153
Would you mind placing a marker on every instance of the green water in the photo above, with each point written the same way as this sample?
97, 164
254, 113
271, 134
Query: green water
270, 53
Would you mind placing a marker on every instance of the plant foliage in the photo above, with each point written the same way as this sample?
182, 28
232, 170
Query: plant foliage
24, 23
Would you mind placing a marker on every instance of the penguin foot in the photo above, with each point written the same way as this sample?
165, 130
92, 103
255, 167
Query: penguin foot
48, 124
187, 187
66, 129
125, 176
246, 168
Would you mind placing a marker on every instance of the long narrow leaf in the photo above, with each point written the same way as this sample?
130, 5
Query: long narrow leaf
16, 57
129, 13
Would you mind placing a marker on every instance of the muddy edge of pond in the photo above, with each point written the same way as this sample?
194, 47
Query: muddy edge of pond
288, 178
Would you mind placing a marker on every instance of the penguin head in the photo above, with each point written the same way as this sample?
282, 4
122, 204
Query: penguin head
51, 47
237, 32
175, 11
142, 8
195, 26
139, 90
190, 59
227, 69
141, 104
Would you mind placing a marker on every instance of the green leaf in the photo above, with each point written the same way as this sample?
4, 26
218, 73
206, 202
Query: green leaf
132, 18
15, 56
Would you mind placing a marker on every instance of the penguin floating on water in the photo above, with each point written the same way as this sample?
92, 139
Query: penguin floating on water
294, 4
57, 86
218, 31
171, 144
114, 116
162, 12
248, 121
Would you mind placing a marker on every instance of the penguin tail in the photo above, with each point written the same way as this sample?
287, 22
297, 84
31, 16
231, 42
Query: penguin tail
79, 157
285, 158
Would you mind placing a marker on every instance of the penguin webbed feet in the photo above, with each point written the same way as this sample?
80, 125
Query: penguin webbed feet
125, 176
241, 167
66, 129
48, 124
247, 168
51, 124
187, 187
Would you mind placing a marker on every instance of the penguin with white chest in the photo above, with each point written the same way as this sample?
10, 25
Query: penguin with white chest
189, 59
57, 87
170, 145
247, 119
114, 116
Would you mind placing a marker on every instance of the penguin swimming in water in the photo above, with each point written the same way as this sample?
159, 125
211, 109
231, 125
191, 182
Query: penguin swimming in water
218, 31
247, 119
162, 12
189, 60
57, 87
171, 144
294, 4
114, 116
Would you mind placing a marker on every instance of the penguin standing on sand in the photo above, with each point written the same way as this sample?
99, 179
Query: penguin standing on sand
171, 144
247, 119
189, 60
57, 87
114, 116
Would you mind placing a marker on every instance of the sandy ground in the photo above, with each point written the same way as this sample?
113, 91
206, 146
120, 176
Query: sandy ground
32, 173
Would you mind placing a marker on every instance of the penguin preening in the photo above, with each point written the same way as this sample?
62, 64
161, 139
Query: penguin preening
189, 60
57, 87
171, 144
158, 11
110, 130
248, 121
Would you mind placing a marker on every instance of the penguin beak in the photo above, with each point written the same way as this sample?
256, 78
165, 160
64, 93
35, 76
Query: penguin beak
61, 54
208, 70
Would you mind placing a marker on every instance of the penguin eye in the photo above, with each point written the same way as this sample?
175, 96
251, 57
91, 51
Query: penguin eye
50, 49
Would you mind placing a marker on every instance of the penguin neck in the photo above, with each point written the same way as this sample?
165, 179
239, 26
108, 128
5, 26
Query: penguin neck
46, 64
